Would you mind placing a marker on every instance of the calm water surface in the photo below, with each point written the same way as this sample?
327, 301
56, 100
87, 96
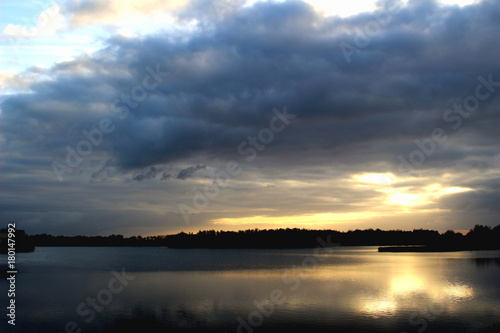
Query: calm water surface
350, 289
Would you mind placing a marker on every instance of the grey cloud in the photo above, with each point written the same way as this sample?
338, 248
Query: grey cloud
223, 83
189, 172
165, 176
210, 11
474, 201
147, 174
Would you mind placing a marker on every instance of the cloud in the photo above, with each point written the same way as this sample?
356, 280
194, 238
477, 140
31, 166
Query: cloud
208, 12
474, 201
90, 12
147, 174
190, 171
48, 22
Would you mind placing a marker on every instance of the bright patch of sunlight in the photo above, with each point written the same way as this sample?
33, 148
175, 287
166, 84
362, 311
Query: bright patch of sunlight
306, 220
439, 190
406, 284
459, 291
387, 183
419, 196
379, 307
343, 8
460, 3
406, 199
354, 7
376, 178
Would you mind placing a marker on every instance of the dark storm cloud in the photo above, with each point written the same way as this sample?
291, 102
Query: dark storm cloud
219, 86
474, 201
148, 174
230, 78
484, 198
189, 172
223, 83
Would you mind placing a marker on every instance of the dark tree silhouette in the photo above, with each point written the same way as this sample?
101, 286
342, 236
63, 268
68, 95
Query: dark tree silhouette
480, 237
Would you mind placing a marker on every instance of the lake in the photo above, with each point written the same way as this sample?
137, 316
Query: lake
343, 289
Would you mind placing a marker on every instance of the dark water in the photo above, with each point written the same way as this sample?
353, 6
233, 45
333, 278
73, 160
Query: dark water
351, 289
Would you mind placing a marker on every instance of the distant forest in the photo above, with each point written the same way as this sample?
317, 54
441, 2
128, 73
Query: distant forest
479, 238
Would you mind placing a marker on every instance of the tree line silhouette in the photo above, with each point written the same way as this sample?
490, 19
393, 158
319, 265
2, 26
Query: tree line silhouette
21, 242
480, 237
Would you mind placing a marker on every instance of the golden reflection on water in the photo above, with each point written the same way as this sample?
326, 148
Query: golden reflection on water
412, 283
379, 307
459, 291
406, 284
381, 287
375, 289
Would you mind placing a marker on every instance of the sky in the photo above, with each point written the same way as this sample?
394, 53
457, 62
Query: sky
154, 117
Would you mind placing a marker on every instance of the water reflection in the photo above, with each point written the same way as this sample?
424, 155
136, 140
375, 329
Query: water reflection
459, 291
416, 282
407, 284
379, 307
355, 289
483, 262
